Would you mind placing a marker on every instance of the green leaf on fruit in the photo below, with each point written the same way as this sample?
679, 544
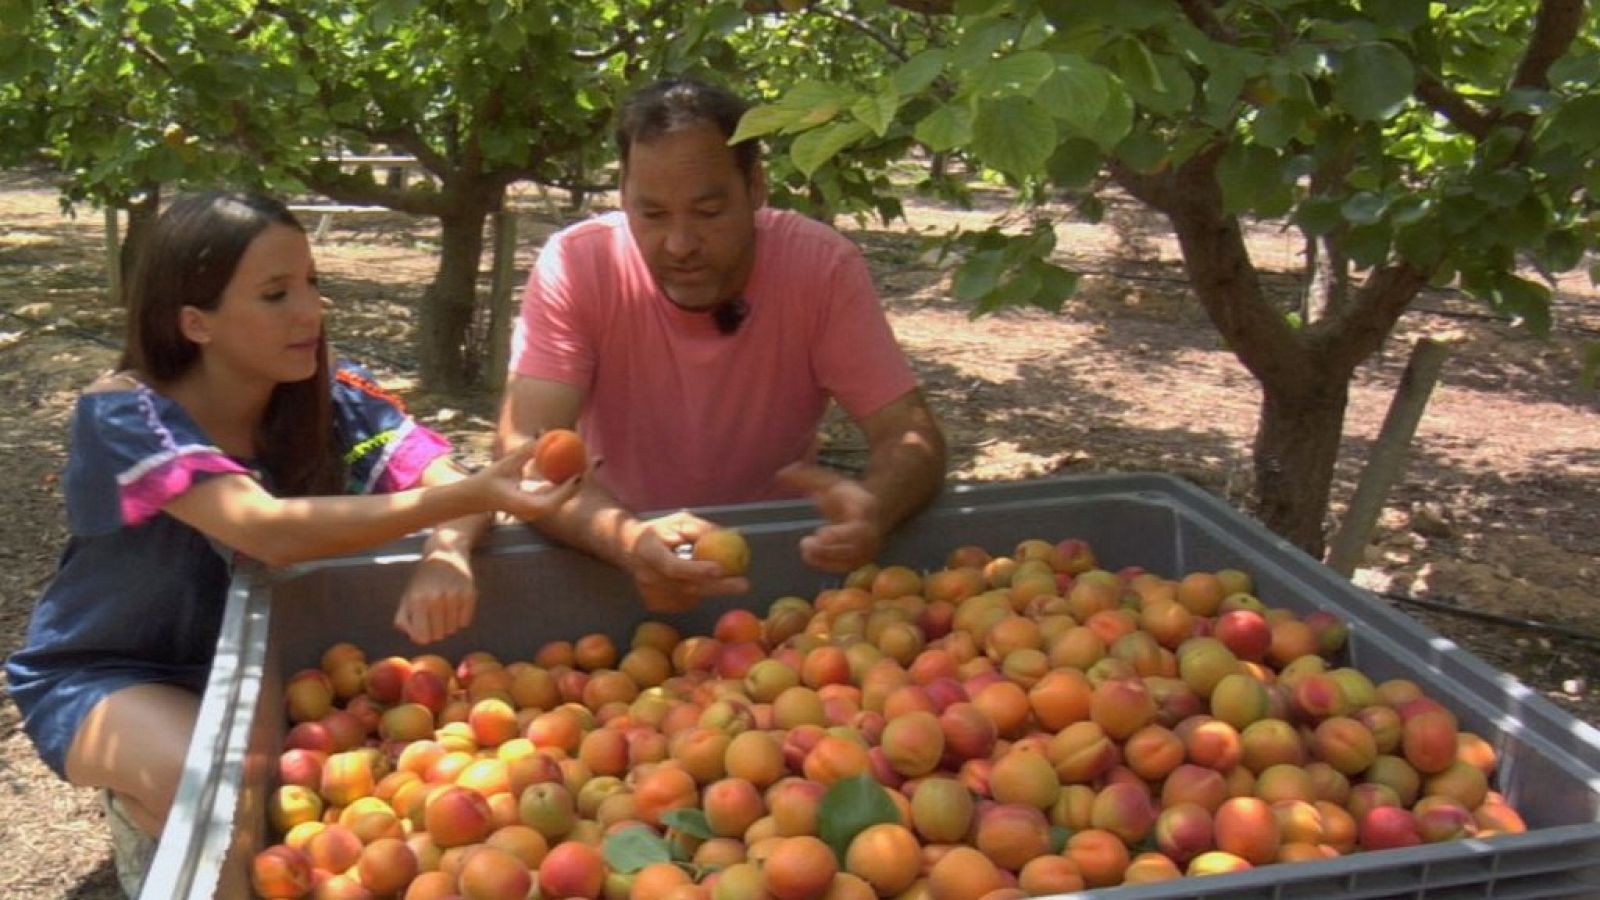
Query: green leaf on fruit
631, 849
851, 806
1058, 838
689, 821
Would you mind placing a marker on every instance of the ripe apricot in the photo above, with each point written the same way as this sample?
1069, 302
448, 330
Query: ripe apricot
725, 547
560, 454
887, 855
799, 868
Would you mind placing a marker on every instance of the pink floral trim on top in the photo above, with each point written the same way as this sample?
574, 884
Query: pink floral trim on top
148, 487
407, 457
149, 484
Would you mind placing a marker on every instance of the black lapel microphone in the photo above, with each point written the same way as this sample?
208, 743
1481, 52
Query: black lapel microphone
729, 315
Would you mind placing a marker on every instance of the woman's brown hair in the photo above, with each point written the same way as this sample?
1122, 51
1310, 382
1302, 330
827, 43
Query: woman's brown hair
188, 260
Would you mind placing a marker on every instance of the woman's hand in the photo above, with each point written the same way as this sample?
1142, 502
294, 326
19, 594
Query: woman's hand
510, 488
439, 599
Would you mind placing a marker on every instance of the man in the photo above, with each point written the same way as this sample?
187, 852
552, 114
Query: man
694, 339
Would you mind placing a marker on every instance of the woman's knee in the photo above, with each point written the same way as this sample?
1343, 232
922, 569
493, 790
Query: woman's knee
134, 742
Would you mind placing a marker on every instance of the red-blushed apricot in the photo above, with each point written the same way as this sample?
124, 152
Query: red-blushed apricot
280, 871
1247, 827
1498, 817
1125, 810
387, 865
572, 869
887, 856
1050, 874
433, 885
1151, 868
1216, 862
1011, 834
656, 879
1388, 827
1024, 776
799, 868
1184, 831
662, 790
964, 872
560, 454
1101, 857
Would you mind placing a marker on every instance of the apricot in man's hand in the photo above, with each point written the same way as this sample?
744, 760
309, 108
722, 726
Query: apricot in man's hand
725, 547
560, 455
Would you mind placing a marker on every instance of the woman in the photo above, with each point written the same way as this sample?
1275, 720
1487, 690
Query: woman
226, 431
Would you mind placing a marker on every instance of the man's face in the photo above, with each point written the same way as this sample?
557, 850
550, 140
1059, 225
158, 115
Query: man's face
692, 213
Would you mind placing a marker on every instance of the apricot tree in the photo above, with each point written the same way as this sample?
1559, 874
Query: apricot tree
123, 96
1413, 143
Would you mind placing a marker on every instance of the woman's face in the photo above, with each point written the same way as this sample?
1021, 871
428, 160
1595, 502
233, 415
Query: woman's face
268, 325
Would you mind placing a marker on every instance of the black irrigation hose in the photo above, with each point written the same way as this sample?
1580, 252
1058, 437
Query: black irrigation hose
1442, 313
1463, 612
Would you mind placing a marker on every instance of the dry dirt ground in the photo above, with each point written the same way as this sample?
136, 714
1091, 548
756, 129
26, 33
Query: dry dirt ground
1497, 512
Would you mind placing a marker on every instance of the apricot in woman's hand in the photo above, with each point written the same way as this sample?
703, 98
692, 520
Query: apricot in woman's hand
560, 455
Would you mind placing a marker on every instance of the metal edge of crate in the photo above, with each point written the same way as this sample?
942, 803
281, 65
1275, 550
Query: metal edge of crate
200, 824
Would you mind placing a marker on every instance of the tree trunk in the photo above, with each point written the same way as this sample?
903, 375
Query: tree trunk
503, 303
1297, 444
449, 302
1328, 289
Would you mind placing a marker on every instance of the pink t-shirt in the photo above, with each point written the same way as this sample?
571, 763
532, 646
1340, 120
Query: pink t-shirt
684, 415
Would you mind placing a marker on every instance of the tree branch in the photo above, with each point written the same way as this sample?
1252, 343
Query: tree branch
1555, 27
1156, 191
866, 28
1457, 109
407, 139
347, 189
780, 7
1202, 15
1220, 271
1354, 333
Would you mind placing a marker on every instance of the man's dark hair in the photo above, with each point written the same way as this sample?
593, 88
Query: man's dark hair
677, 103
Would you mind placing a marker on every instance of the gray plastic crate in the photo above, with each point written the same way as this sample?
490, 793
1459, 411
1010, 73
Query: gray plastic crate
531, 592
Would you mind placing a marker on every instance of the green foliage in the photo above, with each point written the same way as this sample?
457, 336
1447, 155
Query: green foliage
850, 806
689, 821
631, 849
1343, 116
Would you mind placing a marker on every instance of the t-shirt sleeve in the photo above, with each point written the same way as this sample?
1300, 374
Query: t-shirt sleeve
856, 356
130, 454
384, 449
548, 339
